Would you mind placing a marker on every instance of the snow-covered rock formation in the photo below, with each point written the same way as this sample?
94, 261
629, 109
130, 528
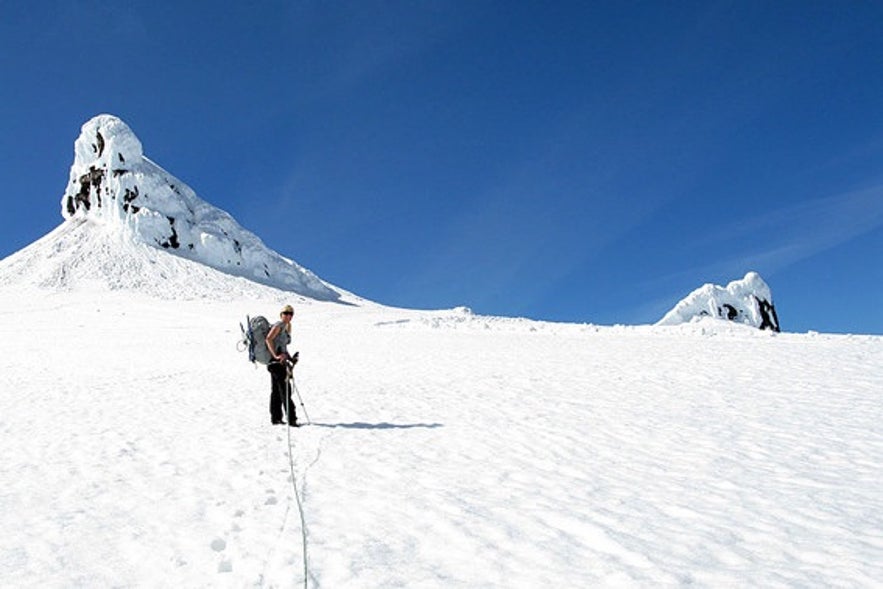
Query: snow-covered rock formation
113, 184
747, 301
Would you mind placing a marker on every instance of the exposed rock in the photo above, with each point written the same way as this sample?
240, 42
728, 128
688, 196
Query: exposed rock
100, 147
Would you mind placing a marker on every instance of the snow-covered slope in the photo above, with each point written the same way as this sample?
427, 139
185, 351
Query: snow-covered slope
446, 450
747, 301
114, 184
84, 254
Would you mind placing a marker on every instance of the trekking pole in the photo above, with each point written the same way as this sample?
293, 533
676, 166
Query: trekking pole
289, 386
301, 400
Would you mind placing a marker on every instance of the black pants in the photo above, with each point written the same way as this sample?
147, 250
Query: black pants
280, 393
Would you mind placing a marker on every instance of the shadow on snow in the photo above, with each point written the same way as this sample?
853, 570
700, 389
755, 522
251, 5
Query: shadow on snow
384, 425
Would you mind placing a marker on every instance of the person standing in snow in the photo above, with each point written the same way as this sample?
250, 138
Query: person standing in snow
280, 394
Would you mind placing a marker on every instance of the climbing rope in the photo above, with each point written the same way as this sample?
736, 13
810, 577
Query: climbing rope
297, 495
300, 505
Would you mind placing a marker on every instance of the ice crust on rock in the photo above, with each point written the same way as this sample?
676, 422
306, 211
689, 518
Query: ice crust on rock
113, 183
748, 301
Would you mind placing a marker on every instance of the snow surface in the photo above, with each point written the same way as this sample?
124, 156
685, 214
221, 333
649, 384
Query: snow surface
446, 449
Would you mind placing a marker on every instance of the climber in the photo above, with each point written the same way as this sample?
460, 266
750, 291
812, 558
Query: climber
281, 362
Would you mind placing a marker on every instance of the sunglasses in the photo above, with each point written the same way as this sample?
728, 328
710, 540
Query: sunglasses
288, 312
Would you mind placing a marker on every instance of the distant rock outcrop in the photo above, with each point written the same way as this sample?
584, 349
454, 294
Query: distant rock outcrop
114, 184
747, 301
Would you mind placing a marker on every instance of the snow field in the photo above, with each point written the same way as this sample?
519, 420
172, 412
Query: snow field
446, 450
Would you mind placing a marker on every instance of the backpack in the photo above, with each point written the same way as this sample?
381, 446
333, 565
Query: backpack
254, 337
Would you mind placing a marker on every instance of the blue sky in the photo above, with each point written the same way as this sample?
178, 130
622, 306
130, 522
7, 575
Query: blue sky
570, 161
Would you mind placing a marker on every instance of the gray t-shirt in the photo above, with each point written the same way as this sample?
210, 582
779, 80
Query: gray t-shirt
282, 339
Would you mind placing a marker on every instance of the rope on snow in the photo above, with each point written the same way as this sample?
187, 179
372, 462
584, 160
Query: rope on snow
300, 505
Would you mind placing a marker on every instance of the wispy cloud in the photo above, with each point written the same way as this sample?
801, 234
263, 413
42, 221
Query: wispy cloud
773, 240
792, 234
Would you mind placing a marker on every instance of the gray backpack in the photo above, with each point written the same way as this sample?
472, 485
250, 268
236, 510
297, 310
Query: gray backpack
254, 339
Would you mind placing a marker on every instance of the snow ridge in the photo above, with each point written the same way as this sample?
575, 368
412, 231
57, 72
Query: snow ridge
82, 255
114, 184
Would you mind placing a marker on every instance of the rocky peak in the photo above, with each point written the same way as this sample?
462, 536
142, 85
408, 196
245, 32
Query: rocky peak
106, 148
748, 301
113, 183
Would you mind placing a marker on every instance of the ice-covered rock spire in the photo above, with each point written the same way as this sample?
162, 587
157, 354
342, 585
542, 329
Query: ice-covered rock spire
747, 301
112, 182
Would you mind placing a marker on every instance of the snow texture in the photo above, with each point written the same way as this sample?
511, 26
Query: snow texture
446, 449
113, 183
748, 301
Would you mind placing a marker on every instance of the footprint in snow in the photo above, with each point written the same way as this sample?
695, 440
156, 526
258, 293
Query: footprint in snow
271, 500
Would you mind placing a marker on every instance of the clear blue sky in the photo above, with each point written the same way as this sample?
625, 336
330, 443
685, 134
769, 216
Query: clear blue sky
576, 161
